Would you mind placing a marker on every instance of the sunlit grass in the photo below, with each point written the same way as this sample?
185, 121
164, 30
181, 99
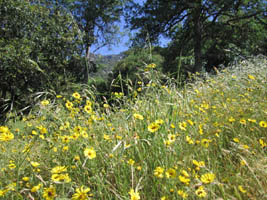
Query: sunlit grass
205, 140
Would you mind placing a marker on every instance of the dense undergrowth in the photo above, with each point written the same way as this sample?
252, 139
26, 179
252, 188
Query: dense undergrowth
205, 140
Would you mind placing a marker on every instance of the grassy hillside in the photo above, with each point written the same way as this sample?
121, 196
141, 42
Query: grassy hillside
204, 141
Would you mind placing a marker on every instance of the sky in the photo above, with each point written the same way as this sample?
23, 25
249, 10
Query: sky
114, 49
121, 46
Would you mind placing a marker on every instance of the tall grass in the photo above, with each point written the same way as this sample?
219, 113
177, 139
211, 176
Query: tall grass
206, 140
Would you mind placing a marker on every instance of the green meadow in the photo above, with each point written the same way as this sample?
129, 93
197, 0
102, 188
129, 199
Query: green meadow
159, 140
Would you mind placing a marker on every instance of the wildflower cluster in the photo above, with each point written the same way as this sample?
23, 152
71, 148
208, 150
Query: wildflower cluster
5, 134
162, 142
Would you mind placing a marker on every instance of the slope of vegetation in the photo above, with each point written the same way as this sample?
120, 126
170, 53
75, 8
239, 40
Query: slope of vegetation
206, 140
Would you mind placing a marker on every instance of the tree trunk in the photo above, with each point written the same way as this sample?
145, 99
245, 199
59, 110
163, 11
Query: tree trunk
197, 38
88, 53
87, 64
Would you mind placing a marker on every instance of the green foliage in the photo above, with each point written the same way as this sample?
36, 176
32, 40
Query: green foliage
132, 65
100, 86
36, 45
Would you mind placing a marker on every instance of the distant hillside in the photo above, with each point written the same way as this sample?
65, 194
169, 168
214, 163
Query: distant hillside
105, 63
109, 60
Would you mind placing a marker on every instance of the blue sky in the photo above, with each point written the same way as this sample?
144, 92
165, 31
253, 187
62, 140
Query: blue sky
115, 49
121, 46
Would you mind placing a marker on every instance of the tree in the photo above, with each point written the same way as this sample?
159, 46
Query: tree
195, 18
97, 20
37, 41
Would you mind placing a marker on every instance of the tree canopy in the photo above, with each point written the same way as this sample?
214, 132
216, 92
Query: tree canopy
193, 22
36, 44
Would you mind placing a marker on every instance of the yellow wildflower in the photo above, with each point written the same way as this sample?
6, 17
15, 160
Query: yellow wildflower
262, 143
35, 164
25, 178
36, 188
172, 126
106, 137
231, 119
61, 178
88, 103
49, 193
242, 121
12, 166
200, 192
207, 178
171, 137
252, 120
167, 142
88, 109
153, 127
182, 194
205, 142
241, 189
90, 153
184, 180
189, 140
190, 122
131, 162
236, 140
3, 192
4, 129
58, 169
69, 105
65, 148
81, 194
76, 95
251, 77
6, 136
134, 195
263, 124
65, 138
171, 173
151, 66
138, 116
158, 172
45, 102
159, 121
182, 125
185, 173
